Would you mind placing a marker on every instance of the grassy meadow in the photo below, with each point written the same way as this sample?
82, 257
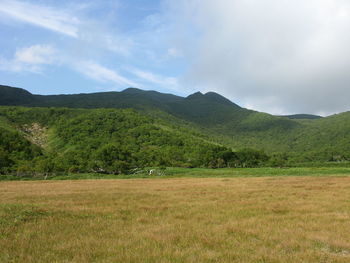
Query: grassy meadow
218, 219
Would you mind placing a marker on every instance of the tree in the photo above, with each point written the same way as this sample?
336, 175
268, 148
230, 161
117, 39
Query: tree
5, 161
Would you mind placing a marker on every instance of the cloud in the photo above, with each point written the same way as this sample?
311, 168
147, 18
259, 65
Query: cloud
34, 58
100, 73
37, 54
92, 40
70, 21
170, 83
61, 21
97, 37
30, 59
272, 55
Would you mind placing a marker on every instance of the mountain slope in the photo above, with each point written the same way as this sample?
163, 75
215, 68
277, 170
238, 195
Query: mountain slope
213, 118
16, 96
99, 140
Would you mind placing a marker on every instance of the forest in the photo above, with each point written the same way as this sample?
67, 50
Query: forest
39, 141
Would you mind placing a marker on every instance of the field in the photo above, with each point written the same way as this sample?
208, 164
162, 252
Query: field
226, 219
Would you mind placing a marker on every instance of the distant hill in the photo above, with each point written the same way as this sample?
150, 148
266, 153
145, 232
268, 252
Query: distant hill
16, 96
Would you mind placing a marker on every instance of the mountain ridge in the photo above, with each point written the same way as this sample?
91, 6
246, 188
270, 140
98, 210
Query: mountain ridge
29, 98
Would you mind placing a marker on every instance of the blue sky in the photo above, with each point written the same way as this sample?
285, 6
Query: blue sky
280, 57
51, 47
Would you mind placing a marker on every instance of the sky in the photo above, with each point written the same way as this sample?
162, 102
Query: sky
275, 56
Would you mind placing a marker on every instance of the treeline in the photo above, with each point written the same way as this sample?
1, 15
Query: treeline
114, 159
111, 159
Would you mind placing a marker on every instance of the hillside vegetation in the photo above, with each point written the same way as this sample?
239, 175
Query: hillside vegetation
53, 140
115, 132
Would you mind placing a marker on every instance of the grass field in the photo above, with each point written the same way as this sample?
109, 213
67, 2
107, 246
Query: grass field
257, 219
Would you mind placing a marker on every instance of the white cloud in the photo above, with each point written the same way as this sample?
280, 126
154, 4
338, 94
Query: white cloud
37, 54
273, 55
61, 21
74, 20
100, 73
34, 59
163, 82
153, 78
30, 59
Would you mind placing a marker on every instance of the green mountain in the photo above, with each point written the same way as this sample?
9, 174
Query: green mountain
209, 121
209, 110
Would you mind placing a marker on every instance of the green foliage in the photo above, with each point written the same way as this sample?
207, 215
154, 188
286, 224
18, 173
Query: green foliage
114, 158
14, 148
5, 161
162, 130
105, 141
251, 158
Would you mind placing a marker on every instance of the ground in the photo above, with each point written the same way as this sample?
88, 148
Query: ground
266, 219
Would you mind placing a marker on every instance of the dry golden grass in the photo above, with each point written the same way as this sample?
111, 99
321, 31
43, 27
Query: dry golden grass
280, 219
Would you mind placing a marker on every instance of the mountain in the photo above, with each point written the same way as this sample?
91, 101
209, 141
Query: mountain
210, 110
215, 119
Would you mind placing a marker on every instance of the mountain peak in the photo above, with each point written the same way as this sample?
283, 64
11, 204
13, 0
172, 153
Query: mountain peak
195, 95
212, 97
217, 97
132, 90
